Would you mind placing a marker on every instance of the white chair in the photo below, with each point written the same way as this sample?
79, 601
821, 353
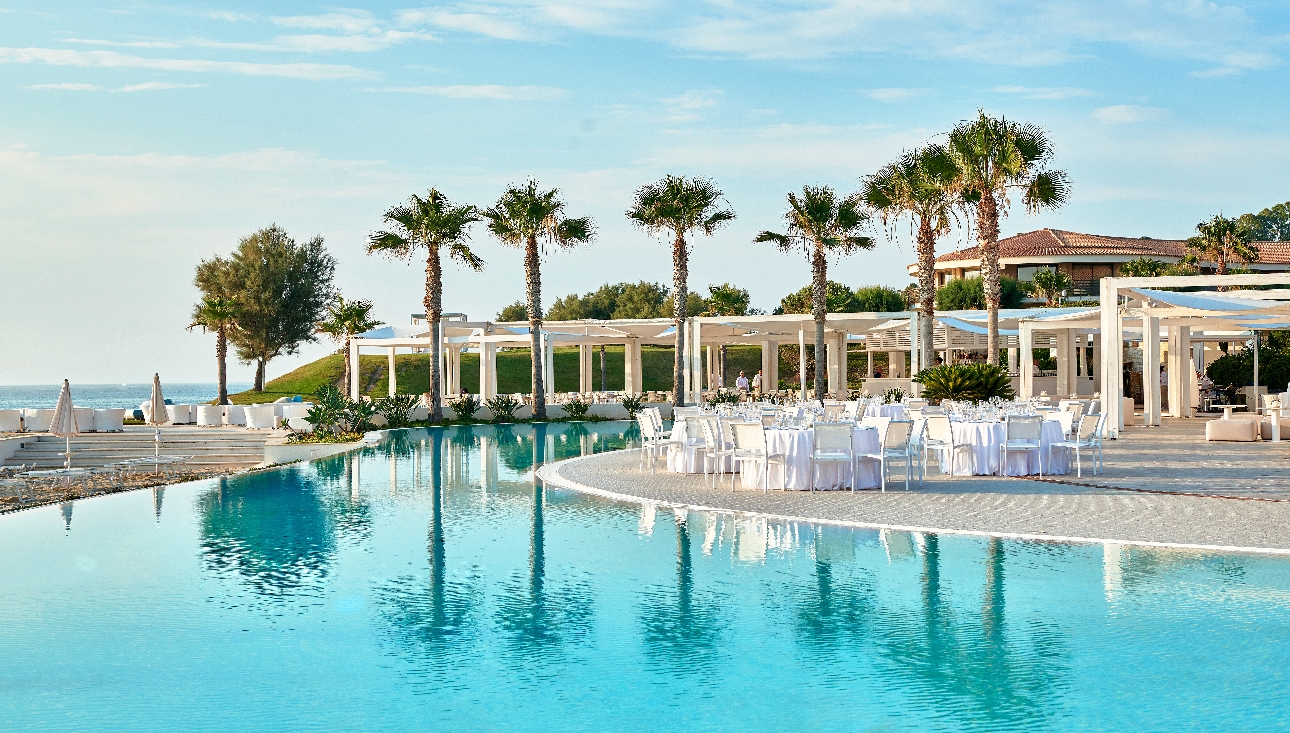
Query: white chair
84, 419
651, 442
235, 415
852, 411
210, 415
833, 442
876, 422
696, 439
717, 450
893, 443
179, 414
834, 413
37, 420
1022, 433
1088, 436
939, 438
10, 421
917, 436
111, 420
750, 447
1065, 418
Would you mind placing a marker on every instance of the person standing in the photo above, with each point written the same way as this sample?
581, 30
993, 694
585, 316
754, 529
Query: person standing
741, 383
756, 384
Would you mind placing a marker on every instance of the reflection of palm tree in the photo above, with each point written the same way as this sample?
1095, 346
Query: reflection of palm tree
434, 620
974, 668
270, 528
834, 610
541, 619
678, 628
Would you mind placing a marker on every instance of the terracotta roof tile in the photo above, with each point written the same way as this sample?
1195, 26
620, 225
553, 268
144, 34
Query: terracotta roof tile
1056, 243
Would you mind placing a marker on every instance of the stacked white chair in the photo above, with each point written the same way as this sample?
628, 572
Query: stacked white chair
717, 450
894, 443
750, 447
651, 441
1088, 436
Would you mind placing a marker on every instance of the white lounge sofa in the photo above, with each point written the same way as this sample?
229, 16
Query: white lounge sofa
111, 420
84, 419
235, 415
10, 421
261, 417
37, 421
180, 414
210, 415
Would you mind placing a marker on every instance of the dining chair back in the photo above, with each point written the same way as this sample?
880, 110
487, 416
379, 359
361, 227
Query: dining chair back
834, 413
1024, 428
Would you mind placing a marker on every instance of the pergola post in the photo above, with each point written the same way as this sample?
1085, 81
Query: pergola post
638, 372
710, 367
584, 368
835, 348
1150, 370
394, 380
353, 370
769, 366
1012, 361
1063, 363
1179, 370
487, 370
801, 360
456, 371
696, 363
895, 365
548, 364
1026, 343
869, 354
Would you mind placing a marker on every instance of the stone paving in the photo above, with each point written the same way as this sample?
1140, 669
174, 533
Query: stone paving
1137, 501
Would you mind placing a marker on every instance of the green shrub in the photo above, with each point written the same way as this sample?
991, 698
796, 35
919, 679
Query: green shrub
633, 404
396, 409
503, 408
576, 408
724, 397
965, 382
328, 410
465, 406
965, 294
358, 415
893, 396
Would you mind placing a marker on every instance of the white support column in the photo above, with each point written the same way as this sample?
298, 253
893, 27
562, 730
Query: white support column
1064, 383
548, 364
487, 370
456, 371
769, 366
353, 370
833, 349
687, 376
1150, 371
801, 359
444, 381
394, 379
895, 365
869, 356
584, 368
710, 367
696, 363
1179, 371
638, 372
1026, 344
1012, 361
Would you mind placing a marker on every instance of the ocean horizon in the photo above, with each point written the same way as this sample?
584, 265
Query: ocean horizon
130, 396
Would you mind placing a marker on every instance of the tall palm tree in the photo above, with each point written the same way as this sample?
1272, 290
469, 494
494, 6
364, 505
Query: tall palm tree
345, 320
919, 184
680, 206
1222, 240
218, 314
995, 157
821, 224
521, 218
432, 223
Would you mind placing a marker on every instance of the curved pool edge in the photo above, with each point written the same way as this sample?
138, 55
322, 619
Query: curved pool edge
550, 474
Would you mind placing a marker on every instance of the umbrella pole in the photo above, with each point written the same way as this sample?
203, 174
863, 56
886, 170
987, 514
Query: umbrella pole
68, 462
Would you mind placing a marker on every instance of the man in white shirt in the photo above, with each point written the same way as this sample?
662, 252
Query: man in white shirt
756, 383
741, 383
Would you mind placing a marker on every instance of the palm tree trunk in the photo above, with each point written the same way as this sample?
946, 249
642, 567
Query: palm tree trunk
819, 307
434, 316
259, 375
926, 291
533, 277
344, 369
680, 290
221, 357
988, 238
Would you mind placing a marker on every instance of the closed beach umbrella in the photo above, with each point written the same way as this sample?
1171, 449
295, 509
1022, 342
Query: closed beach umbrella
64, 423
157, 405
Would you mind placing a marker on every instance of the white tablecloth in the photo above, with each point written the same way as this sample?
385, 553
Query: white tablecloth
685, 457
795, 474
983, 458
895, 412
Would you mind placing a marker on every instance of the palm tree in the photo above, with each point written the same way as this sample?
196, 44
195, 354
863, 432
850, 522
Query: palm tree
821, 224
1222, 240
217, 314
521, 218
680, 206
994, 157
920, 184
345, 320
432, 223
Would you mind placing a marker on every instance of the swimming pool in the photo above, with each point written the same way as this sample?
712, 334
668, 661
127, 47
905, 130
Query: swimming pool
430, 584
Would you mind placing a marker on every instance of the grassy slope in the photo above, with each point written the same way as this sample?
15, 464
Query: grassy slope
513, 370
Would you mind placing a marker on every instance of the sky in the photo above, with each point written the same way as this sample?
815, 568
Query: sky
137, 139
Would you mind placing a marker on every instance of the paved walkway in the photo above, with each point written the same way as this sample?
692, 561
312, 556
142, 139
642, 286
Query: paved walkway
1145, 460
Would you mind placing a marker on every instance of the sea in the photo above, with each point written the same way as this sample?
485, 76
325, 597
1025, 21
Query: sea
128, 396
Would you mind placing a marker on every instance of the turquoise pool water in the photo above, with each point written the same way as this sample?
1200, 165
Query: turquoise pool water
429, 584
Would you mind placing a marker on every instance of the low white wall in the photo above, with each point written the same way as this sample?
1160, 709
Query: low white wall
10, 446
305, 451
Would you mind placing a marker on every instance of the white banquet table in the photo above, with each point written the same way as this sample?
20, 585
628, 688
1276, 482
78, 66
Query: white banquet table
985, 438
797, 444
895, 412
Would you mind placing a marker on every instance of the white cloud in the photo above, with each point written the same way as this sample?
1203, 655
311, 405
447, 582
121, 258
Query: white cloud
493, 24
893, 95
345, 21
321, 43
152, 86
1217, 72
112, 59
122, 44
1046, 92
484, 91
68, 87
1127, 113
